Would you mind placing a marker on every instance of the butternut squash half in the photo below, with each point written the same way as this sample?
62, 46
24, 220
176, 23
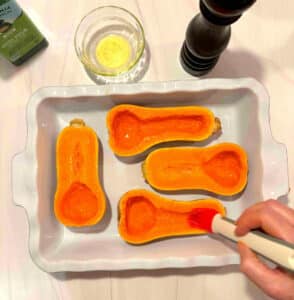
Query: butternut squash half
133, 129
145, 216
79, 198
221, 169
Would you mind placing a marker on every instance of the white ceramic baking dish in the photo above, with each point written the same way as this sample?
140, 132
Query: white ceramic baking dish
241, 104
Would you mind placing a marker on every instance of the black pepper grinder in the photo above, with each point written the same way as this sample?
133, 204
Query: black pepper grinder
209, 32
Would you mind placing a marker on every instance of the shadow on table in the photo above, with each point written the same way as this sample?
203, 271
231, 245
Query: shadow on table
237, 63
251, 290
8, 70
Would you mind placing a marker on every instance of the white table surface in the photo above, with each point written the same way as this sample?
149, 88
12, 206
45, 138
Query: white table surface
262, 46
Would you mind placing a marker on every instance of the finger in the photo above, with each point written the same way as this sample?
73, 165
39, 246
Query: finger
275, 282
253, 209
268, 219
283, 210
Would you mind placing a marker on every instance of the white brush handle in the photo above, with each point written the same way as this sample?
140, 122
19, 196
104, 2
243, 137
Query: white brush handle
278, 251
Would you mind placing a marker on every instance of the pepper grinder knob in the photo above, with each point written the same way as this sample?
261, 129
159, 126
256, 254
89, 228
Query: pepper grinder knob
208, 34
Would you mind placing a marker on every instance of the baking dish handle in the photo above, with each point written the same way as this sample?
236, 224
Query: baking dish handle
276, 172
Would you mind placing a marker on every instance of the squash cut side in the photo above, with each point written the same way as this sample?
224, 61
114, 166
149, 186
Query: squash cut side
221, 169
79, 198
133, 129
145, 216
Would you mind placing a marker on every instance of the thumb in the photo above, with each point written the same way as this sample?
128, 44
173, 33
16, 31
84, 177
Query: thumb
270, 281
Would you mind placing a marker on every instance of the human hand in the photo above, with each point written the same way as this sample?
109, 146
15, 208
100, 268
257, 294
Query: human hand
277, 220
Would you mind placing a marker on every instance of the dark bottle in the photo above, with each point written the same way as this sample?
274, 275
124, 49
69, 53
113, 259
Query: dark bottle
208, 34
19, 37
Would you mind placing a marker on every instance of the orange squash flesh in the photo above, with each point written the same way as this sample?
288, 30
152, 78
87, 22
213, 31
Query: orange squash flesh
221, 169
79, 198
133, 129
145, 216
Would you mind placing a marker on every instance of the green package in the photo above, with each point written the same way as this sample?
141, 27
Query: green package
19, 37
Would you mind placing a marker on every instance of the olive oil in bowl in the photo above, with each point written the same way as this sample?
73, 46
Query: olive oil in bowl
110, 42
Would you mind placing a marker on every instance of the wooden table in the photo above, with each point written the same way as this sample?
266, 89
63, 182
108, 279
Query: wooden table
262, 46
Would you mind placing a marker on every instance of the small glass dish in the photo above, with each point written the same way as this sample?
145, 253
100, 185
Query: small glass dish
110, 42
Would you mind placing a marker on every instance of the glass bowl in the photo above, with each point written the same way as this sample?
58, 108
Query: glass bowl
110, 41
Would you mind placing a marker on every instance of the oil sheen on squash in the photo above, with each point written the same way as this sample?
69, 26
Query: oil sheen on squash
221, 169
146, 216
133, 129
79, 198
